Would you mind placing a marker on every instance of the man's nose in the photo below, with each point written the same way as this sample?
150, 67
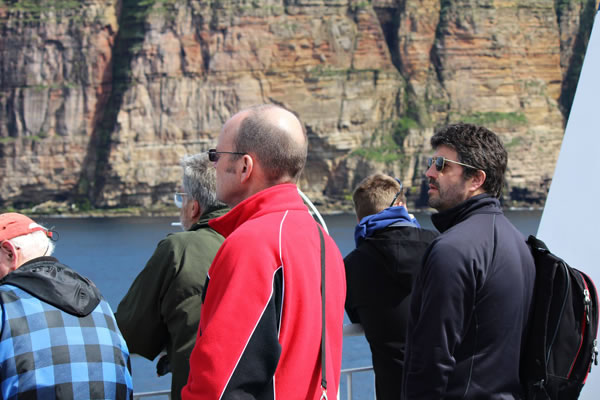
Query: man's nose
431, 172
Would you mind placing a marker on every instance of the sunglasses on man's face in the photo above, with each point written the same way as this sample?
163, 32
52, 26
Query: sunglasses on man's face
214, 155
440, 163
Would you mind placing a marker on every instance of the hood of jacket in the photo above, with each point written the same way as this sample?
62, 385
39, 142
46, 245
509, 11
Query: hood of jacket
56, 284
399, 249
387, 217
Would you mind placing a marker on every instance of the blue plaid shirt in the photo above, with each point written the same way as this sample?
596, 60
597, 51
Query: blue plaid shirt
46, 353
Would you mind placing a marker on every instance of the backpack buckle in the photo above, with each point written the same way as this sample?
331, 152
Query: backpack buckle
540, 384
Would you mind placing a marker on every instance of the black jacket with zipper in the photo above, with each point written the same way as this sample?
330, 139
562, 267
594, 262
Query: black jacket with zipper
470, 307
379, 275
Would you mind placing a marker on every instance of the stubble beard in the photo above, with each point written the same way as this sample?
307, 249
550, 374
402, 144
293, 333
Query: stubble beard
435, 201
446, 198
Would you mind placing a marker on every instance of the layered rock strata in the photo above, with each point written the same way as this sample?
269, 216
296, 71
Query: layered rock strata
100, 99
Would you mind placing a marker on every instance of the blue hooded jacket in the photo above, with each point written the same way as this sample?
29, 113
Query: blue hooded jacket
396, 216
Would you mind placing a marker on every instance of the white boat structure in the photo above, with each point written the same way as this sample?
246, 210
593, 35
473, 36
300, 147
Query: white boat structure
568, 227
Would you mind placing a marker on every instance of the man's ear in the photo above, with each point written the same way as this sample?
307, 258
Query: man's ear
477, 180
247, 167
196, 210
11, 253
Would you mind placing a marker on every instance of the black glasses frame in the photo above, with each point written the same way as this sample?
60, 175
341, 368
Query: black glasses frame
214, 155
398, 193
440, 163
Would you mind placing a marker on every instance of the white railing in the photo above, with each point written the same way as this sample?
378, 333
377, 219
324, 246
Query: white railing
348, 373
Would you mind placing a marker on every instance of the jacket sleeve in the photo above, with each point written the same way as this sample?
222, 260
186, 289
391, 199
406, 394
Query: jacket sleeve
237, 348
441, 308
139, 314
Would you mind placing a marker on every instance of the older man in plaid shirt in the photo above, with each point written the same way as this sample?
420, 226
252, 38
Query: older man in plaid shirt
58, 336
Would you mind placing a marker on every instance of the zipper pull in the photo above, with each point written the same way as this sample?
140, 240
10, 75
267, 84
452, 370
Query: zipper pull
595, 353
586, 296
587, 300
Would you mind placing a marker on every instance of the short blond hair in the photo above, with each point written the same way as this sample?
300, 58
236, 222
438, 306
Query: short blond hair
375, 193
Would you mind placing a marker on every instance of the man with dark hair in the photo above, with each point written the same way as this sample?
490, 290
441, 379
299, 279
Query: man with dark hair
161, 310
472, 298
260, 329
58, 336
379, 273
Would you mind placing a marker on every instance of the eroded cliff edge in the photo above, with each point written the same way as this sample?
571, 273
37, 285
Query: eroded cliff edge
100, 99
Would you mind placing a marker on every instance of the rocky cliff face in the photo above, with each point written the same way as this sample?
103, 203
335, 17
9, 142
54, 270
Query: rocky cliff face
100, 99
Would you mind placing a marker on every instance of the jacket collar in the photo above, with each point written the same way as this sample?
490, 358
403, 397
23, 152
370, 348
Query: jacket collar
480, 204
210, 214
278, 198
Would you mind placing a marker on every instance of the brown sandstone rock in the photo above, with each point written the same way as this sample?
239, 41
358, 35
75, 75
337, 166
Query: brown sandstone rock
100, 102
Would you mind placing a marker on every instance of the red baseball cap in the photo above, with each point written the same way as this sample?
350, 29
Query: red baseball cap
13, 225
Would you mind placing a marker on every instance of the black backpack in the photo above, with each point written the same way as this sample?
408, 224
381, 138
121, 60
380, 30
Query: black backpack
561, 341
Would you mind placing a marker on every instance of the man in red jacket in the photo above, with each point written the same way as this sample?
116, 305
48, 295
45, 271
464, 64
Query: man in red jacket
260, 325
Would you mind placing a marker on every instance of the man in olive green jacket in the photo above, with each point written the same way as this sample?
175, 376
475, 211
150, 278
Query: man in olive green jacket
161, 310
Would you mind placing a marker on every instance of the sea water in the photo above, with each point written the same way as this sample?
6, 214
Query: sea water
112, 251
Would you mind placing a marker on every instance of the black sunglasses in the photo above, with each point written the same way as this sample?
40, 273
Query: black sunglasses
398, 193
440, 163
214, 155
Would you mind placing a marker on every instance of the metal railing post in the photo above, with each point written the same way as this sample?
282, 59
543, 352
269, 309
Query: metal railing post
374, 392
349, 386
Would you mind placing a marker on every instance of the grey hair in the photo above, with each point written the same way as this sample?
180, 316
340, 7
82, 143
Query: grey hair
273, 147
199, 180
33, 245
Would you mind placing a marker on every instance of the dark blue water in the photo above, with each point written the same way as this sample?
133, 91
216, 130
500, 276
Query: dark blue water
112, 251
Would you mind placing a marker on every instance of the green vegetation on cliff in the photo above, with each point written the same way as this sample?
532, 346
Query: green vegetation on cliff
490, 118
387, 144
36, 11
